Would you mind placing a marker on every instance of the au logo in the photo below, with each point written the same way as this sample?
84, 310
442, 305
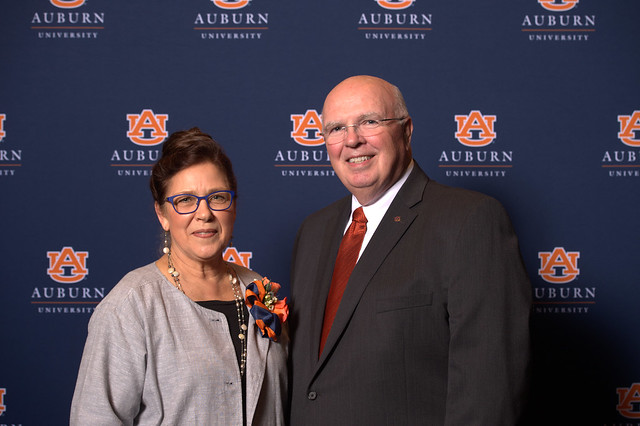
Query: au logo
67, 266
3, 407
2, 132
475, 129
231, 4
558, 5
231, 254
395, 4
304, 125
155, 126
629, 401
558, 266
629, 128
67, 4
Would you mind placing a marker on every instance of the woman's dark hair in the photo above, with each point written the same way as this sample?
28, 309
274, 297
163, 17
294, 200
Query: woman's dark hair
184, 149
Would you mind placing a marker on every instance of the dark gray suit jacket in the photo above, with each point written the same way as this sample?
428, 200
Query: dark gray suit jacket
433, 327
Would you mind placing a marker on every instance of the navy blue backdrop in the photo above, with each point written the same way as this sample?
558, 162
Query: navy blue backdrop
535, 102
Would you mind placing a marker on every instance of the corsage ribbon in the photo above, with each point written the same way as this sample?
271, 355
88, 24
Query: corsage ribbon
264, 306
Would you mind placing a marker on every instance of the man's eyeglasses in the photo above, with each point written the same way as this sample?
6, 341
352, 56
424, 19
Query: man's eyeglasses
189, 203
368, 127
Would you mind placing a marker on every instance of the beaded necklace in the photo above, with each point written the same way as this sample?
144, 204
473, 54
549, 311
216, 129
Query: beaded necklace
237, 295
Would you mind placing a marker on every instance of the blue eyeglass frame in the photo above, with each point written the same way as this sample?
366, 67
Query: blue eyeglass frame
170, 200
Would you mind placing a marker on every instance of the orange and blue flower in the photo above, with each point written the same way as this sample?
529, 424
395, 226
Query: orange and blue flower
269, 312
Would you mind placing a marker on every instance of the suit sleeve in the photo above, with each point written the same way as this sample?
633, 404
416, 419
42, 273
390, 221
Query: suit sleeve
489, 308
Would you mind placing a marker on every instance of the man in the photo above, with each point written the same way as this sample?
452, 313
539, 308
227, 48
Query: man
432, 325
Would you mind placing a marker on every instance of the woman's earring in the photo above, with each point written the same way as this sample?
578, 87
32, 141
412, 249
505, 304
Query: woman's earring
166, 248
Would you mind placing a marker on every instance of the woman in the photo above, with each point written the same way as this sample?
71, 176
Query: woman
173, 342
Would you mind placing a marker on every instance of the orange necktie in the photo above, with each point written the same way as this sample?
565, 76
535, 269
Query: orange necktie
345, 262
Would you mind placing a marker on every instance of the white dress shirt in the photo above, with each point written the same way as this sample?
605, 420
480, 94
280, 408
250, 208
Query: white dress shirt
376, 211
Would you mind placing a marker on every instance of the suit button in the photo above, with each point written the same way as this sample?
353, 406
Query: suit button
312, 395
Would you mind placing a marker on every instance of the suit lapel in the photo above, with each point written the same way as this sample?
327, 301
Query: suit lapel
328, 249
257, 349
394, 224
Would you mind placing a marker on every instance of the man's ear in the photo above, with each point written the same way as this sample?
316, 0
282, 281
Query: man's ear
408, 131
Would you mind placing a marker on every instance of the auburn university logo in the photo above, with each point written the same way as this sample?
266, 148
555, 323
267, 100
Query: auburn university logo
558, 266
67, 4
630, 129
147, 128
395, 4
558, 5
231, 254
67, 266
475, 129
231, 4
307, 128
3, 407
2, 132
629, 401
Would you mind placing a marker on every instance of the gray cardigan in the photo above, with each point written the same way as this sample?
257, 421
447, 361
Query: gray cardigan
153, 356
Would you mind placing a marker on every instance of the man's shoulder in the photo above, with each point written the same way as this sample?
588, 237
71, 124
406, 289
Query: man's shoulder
419, 179
331, 210
454, 192
452, 203
420, 187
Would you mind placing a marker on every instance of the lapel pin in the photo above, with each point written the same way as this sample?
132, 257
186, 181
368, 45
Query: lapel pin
396, 219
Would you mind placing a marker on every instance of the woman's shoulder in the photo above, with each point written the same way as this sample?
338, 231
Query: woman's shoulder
244, 274
140, 277
136, 283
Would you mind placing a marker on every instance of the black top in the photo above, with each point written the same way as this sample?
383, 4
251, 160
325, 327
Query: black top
228, 309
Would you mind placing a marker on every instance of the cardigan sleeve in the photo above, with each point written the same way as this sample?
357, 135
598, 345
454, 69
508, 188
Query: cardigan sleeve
112, 370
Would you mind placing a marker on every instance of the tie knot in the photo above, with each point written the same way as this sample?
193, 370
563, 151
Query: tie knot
358, 215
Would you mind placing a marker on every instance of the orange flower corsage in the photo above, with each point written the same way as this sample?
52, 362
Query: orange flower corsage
269, 312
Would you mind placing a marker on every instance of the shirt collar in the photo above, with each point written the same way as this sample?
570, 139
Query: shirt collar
374, 212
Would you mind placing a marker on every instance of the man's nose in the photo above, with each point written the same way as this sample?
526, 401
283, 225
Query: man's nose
352, 137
